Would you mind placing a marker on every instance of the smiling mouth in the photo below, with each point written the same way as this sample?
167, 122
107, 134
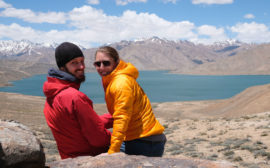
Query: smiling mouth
80, 71
104, 73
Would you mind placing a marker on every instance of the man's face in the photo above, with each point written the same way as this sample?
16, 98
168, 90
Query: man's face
104, 64
76, 68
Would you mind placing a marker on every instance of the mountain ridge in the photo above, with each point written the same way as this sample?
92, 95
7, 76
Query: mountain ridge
221, 58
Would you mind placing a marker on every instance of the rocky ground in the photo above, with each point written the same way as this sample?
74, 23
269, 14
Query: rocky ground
191, 131
244, 141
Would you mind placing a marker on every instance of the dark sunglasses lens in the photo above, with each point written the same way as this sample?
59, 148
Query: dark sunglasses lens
106, 63
97, 64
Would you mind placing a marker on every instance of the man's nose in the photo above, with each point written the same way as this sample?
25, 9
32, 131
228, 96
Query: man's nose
81, 65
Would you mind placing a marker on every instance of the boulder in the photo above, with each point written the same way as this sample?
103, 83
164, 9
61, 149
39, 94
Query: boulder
120, 160
19, 147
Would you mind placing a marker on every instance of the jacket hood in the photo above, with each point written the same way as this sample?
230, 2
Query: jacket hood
122, 68
61, 75
57, 81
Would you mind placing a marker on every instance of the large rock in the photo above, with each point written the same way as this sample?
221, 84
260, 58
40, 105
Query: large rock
19, 147
121, 160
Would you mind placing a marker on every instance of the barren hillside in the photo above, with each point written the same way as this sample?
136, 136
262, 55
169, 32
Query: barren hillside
251, 101
250, 61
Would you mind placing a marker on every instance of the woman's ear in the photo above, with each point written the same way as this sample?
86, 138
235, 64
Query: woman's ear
117, 62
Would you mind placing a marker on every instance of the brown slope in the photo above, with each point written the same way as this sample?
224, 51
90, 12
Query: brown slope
11, 70
255, 60
252, 100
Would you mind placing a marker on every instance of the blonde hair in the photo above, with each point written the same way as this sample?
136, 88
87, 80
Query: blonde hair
109, 51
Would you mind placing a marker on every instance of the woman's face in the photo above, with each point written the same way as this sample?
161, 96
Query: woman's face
104, 64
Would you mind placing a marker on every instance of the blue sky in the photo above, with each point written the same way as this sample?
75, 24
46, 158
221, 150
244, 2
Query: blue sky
95, 22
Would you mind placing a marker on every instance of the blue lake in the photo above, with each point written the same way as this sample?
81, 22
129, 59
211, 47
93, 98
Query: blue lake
160, 86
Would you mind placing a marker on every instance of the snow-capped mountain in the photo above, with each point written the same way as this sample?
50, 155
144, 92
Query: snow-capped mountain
24, 47
228, 42
27, 51
152, 54
18, 48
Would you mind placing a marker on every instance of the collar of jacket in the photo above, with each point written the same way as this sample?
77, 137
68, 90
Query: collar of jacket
55, 73
57, 81
122, 68
54, 86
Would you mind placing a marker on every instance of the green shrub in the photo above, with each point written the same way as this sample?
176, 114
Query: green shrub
165, 126
176, 152
229, 153
264, 134
237, 159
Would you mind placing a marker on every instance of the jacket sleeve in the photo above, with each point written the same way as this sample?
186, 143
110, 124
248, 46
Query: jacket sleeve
107, 119
91, 124
123, 107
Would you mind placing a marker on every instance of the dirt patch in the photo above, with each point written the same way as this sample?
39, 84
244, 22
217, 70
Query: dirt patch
245, 141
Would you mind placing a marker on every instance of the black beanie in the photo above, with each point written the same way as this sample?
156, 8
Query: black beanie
65, 52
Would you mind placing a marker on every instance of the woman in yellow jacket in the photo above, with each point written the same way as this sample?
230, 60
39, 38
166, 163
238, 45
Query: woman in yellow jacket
134, 125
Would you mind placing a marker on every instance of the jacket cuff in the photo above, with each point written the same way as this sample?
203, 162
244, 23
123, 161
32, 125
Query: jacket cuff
107, 120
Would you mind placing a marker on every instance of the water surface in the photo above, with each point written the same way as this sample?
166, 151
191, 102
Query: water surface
160, 86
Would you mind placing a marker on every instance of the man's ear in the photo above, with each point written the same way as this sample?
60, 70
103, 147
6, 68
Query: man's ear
62, 68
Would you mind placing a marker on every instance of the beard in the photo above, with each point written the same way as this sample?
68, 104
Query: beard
79, 79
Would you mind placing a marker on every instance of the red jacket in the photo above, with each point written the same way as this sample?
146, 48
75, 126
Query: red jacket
76, 127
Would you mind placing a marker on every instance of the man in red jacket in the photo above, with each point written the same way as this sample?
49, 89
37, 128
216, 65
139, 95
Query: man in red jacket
76, 127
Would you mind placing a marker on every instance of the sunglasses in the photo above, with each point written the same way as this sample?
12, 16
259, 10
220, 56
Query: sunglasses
105, 63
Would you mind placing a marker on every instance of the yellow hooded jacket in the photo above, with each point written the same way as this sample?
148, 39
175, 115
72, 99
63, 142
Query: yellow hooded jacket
129, 106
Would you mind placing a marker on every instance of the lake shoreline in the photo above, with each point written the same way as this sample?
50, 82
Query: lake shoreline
8, 80
251, 100
160, 86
